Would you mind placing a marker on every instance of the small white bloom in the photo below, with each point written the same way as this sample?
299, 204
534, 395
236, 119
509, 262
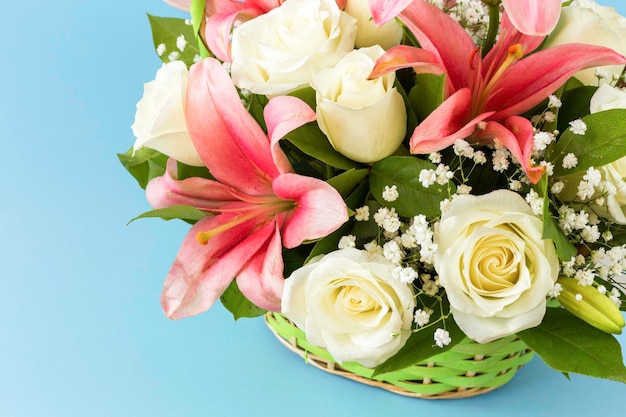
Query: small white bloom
585, 190
405, 274
549, 167
392, 251
479, 157
362, 214
348, 241
557, 187
584, 277
445, 205
535, 201
197, 58
500, 160
570, 161
427, 177
602, 73
443, 174
578, 127
442, 338
390, 193
161, 48
435, 157
515, 185
549, 117
181, 43
463, 189
173, 56
590, 234
578, 297
463, 148
607, 236
556, 290
593, 176
430, 288
542, 140
602, 289
553, 101
421, 318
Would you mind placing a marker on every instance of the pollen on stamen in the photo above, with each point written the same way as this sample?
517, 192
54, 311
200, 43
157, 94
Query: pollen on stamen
516, 50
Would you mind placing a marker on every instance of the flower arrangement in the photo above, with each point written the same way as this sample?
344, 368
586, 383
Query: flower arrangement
396, 178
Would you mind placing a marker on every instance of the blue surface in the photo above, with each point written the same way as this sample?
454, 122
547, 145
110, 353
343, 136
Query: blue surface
82, 331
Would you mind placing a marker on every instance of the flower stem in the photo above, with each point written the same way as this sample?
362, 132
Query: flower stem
494, 24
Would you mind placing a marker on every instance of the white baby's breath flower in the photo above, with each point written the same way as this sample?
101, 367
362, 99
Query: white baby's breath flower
578, 127
392, 251
390, 193
500, 160
421, 318
553, 101
535, 201
515, 185
160, 49
173, 56
463, 148
570, 161
463, 189
479, 157
362, 214
549, 117
593, 176
427, 177
181, 43
348, 241
557, 187
585, 190
555, 291
405, 274
542, 140
435, 157
590, 234
442, 338
584, 277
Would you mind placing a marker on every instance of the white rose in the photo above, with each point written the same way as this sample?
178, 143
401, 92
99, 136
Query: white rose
368, 33
280, 51
348, 303
612, 186
494, 265
160, 118
584, 21
363, 119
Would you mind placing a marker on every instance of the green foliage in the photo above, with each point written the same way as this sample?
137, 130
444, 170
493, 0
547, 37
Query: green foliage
570, 345
143, 164
197, 12
345, 182
604, 142
238, 304
564, 248
310, 140
187, 213
427, 94
167, 31
421, 346
403, 172
575, 105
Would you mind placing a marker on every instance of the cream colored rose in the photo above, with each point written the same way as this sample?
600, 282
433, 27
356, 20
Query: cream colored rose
368, 33
494, 265
584, 21
160, 118
363, 119
280, 51
347, 302
612, 188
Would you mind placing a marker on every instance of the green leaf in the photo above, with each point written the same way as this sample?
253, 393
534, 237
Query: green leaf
575, 105
187, 171
187, 213
427, 94
403, 172
420, 347
604, 142
568, 344
310, 140
196, 10
564, 247
307, 95
143, 164
167, 33
345, 182
238, 304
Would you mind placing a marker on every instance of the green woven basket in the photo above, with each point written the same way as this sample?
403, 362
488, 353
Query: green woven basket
468, 369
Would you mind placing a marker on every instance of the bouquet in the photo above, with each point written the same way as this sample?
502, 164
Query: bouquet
389, 181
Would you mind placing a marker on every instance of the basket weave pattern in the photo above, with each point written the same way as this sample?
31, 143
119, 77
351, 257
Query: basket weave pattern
467, 369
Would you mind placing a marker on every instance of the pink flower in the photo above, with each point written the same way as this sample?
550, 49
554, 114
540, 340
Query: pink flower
485, 95
256, 206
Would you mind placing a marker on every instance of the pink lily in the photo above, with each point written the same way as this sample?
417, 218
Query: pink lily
257, 206
484, 96
530, 17
222, 16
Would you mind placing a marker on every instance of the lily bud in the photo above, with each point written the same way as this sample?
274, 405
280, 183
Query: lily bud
588, 304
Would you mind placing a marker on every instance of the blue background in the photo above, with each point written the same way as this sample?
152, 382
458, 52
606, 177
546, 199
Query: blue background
81, 329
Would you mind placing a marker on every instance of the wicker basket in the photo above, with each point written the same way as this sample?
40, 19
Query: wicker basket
466, 370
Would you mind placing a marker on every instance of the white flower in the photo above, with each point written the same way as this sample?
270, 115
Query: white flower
362, 214
160, 118
607, 97
281, 50
584, 21
347, 302
554, 101
494, 264
390, 193
363, 119
421, 317
570, 161
578, 127
348, 241
368, 33
442, 337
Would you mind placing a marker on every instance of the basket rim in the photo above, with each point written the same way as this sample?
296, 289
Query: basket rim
426, 388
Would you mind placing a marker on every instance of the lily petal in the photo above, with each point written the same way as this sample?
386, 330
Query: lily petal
533, 17
319, 210
229, 141
517, 136
262, 281
282, 115
201, 273
385, 10
446, 124
455, 49
529, 81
